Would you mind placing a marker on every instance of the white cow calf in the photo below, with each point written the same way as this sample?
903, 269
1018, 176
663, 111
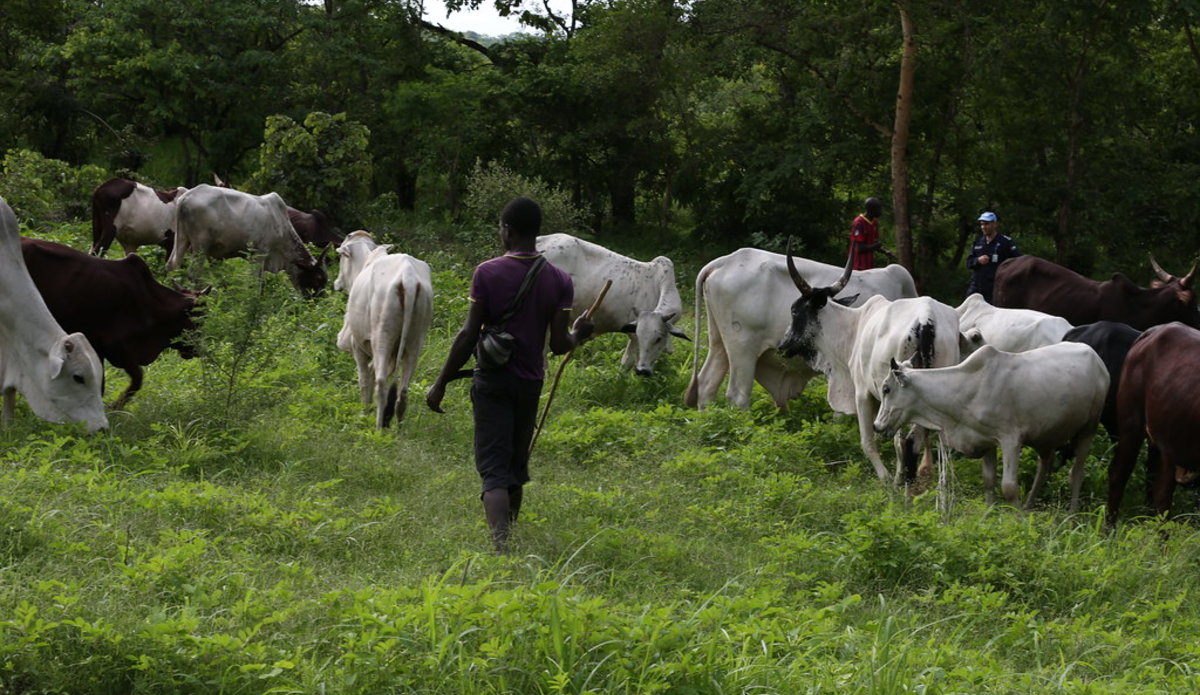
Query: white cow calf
388, 315
1042, 398
643, 301
58, 373
1008, 330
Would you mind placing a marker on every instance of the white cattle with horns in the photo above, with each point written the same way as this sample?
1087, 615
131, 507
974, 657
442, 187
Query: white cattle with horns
643, 301
1009, 330
744, 293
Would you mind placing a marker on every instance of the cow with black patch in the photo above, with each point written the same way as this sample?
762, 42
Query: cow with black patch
133, 214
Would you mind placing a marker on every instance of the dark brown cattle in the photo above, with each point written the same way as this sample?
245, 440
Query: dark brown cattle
1029, 282
133, 214
1157, 400
313, 228
127, 316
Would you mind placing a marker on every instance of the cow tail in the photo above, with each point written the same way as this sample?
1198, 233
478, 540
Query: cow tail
691, 397
925, 334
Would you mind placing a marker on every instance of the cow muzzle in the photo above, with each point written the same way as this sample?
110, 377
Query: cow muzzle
643, 372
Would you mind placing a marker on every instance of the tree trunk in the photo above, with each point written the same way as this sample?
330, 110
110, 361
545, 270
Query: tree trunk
904, 101
1065, 214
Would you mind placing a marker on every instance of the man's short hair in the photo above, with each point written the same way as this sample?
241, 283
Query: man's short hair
522, 216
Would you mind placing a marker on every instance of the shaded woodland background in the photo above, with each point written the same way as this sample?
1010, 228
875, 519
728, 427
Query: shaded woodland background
722, 123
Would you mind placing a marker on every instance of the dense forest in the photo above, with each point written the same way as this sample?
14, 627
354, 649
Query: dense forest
734, 123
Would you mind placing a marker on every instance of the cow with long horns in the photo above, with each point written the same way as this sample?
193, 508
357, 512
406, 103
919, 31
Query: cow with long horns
854, 347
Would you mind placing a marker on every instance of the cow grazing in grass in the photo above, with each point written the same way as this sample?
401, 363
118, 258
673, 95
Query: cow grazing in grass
58, 373
222, 222
133, 214
643, 302
1042, 398
1029, 282
854, 347
127, 316
313, 228
742, 293
388, 314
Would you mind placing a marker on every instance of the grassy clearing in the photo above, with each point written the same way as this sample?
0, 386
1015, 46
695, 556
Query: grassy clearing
242, 529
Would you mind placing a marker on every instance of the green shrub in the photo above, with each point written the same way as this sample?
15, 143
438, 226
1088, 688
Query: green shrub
43, 191
489, 188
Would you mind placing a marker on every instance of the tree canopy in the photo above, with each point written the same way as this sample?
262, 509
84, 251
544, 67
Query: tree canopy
737, 123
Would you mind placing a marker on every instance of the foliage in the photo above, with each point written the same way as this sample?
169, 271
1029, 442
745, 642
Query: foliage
322, 163
42, 190
490, 187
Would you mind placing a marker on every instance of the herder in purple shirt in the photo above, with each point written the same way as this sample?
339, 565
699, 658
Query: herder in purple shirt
505, 399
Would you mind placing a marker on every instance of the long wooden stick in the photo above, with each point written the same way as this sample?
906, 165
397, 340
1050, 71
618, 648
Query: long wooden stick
566, 358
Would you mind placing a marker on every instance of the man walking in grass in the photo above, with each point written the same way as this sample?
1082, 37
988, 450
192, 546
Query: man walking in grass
505, 396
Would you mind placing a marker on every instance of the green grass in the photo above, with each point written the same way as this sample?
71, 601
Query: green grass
254, 534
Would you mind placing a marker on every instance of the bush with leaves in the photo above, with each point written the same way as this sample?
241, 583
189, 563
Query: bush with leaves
492, 185
322, 163
43, 190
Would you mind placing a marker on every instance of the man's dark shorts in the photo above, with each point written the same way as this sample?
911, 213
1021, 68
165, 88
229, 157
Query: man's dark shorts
505, 409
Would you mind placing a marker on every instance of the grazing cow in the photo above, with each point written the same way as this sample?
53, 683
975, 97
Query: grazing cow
1033, 283
313, 228
854, 347
1041, 398
743, 292
352, 255
388, 315
1157, 401
126, 315
57, 372
133, 214
1009, 330
642, 303
222, 222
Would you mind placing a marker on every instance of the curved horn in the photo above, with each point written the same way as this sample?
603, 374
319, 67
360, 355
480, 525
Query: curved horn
1162, 274
841, 283
804, 287
1186, 281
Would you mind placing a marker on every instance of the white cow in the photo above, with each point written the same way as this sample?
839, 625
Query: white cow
222, 222
133, 214
388, 315
1009, 330
58, 373
854, 347
643, 301
744, 293
1042, 398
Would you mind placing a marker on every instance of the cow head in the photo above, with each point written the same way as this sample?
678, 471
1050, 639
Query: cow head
806, 311
650, 336
352, 257
310, 276
185, 329
1176, 299
66, 385
896, 399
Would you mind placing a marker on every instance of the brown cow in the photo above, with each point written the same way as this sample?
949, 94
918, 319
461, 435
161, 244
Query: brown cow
127, 316
1029, 282
313, 228
1157, 400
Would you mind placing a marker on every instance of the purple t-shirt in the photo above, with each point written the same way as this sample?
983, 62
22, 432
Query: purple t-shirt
493, 287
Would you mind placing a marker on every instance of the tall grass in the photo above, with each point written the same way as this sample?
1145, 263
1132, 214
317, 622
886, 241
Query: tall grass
257, 535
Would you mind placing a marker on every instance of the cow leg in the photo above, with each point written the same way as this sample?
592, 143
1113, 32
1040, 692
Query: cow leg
866, 408
1121, 467
1164, 485
362, 361
1083, 446
1045, 465
385, 390
1010, 486
10, 404
135, 384
741, 383
989, 476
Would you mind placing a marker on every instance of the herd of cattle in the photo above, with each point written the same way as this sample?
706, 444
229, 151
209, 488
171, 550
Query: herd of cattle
1057, 356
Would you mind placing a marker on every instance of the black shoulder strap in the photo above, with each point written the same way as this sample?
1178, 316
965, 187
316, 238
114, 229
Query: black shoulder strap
530, 276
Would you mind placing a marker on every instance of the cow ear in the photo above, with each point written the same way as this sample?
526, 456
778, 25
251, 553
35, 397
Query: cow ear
847, 301
678, 333
323, 259
629, 328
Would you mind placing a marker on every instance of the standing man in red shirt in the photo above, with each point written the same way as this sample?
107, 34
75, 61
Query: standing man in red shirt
864, 236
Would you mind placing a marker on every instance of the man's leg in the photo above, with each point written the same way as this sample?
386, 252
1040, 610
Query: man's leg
497, 508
